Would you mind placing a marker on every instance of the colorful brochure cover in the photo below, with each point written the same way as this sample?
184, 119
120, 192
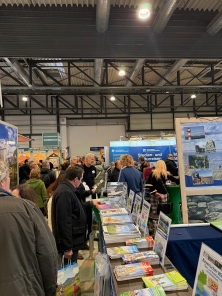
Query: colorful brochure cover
108, 205
155, 291
120, 229
208, 280
142, 242
217, 224
141, 256
122, 250
133, 270
111, 212
172, 280
122, 219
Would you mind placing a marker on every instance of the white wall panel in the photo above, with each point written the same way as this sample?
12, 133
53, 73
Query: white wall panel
81, 138
140, 121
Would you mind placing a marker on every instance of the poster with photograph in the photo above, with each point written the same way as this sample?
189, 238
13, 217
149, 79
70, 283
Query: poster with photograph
202, 153
136, 208
161, 236
9, 149
144, 218
129, 201
208, 280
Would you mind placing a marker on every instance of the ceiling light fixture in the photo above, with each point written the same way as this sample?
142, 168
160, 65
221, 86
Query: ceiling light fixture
112, 98
144, 11
193, 96
24, 98
122, 73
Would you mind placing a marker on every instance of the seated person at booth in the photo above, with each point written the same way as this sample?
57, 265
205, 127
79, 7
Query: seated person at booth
156, 182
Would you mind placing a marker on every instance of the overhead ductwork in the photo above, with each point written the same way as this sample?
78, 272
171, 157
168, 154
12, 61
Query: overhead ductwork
178, 64
136, 68
17, 68
98, 71
102, 15
164, 15
215, 25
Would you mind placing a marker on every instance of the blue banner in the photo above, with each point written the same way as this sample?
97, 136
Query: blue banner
151, 153
116, 152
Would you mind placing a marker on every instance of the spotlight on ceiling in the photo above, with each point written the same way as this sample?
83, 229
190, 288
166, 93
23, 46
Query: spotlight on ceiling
193, 96
112, 98
122, 73
25, 98
144, 11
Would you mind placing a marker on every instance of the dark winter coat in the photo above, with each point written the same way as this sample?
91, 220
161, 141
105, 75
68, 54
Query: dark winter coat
47, 176
171, 167
28, 252
159, 184
68, 218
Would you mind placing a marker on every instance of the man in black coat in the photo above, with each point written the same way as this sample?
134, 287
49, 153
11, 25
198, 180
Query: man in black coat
68, 215
171, 165
114, 177
47, 176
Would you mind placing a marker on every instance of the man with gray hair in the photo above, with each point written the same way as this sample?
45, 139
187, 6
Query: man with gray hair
47, 176
29, 253
89, 171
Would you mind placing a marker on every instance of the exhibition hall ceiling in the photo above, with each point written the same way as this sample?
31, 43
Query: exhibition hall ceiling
79, 47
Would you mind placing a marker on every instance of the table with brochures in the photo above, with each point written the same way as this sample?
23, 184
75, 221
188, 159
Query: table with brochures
130, 285
183, 247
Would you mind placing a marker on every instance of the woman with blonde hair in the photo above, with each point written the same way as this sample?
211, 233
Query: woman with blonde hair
130, 175
156, 182
39, 187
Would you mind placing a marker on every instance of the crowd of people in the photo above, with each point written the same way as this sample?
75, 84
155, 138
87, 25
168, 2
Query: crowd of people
33, 249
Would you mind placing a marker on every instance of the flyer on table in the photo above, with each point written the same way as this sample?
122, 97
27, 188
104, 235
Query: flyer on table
208, 281
144, 217
161, 236
136, 208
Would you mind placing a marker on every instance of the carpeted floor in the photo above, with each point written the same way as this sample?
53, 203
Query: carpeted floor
86, 270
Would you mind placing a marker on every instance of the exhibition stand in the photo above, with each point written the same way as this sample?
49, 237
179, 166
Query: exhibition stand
184, 245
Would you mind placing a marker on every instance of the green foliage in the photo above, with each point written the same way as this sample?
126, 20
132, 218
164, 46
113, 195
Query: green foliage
202, 280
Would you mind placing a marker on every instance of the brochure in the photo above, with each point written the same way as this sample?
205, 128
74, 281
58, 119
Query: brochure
150, 256
208, 279
155, 291
129, 201
132, 271
122, 219
141, 243
117, 252
144, 218
161, 236
112, 212
136, 208
217, 224
170, 281
120, 229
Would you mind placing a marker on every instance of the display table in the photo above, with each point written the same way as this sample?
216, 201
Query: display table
135, 284
184, 245
174, 197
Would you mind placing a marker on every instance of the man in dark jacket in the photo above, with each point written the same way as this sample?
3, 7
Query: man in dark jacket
114, 177
28, 252
89, 171
68, 215
47, 176
171, 165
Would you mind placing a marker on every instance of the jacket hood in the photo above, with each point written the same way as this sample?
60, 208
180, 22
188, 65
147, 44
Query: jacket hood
34, 182
4, 192
99, 167
45, 171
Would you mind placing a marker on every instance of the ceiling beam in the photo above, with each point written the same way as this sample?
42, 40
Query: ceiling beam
178, 64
